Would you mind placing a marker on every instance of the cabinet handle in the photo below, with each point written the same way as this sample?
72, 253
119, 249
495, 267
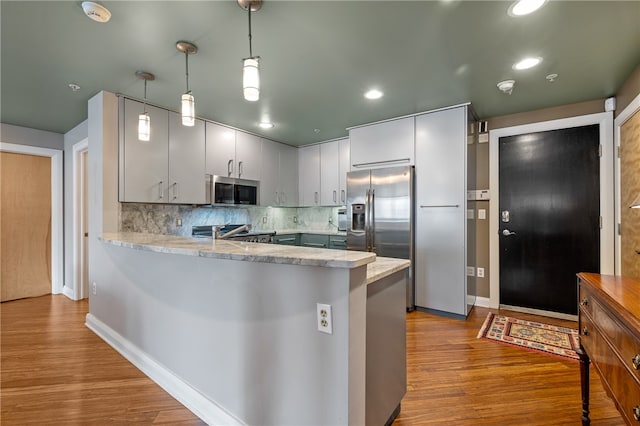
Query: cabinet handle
230, 167
440, 205
636, 362
335, 196
175, 190
636, 412
585, 331
239, 168
315, 244
315, 197
160, 190
585, 302
343, 196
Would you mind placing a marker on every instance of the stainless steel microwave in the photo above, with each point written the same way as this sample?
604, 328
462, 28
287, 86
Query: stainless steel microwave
232, 191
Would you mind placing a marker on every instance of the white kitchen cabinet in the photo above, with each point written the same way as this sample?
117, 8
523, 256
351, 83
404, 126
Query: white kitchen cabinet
232, 153
248, 158
187, 180
221, 149
143, 165
288, 176
329, 174
343, 167
442, 229
309, 175
390, 143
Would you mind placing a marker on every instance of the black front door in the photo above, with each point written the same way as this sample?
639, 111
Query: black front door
549, 216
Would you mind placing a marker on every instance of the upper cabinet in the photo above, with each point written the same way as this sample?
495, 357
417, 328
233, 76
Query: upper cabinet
232, 153
169, 168
344, 167
329, 174
279, 181
390, 143
309, 175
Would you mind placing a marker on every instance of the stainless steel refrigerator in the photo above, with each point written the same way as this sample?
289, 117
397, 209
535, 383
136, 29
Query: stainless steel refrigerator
380, 215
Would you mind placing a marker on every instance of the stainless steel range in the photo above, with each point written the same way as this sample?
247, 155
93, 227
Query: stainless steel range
233, 232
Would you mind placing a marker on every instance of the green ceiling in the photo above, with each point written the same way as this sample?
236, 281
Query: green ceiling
318, 58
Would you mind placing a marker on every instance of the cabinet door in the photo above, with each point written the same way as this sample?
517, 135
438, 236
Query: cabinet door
248, 156
145, 164
383, 145
221, 150
441, 211
288, 176
269, 183
309, 171
329, 174
314, 240
187, 184
343, 167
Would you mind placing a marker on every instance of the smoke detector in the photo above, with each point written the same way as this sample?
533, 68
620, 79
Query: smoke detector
96, 12
506, 86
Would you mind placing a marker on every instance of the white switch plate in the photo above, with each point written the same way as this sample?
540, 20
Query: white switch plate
470, 213
471, 271
482, 214
480, 273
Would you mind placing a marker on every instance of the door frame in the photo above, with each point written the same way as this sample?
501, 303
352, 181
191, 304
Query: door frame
629, 111
79, 291
57, 242
607, 245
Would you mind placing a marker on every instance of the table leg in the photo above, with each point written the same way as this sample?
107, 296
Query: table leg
584, 385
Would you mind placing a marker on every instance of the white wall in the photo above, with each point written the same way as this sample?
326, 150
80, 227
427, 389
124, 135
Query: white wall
32, 137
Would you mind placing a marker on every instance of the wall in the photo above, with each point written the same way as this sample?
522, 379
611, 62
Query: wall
73, 136
32, 137
629, 90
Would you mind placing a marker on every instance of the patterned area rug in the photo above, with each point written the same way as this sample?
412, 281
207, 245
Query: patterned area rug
535, 336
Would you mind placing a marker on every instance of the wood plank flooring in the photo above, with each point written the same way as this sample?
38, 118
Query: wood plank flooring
56, 371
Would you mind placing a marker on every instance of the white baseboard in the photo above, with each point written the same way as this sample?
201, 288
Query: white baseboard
68, 291
483, 302
191, 398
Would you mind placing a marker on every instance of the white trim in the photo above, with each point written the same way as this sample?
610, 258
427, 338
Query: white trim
626, 114
539, 312
77, 150
57, 241
607, 249
190, 397
483, 302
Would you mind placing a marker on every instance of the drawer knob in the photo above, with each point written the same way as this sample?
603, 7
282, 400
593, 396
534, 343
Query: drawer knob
585, 302
636, 361
585, 331
636, 412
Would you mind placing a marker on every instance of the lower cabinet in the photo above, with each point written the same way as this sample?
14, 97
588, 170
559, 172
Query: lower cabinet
338, 242
314, 240
287, 239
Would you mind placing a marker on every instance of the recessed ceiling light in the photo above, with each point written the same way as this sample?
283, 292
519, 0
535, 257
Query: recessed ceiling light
526, 63
373, 94
96, 11
525, 7
73, 87
265, 125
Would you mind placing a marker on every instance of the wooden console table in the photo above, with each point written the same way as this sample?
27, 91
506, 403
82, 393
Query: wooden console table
609, 325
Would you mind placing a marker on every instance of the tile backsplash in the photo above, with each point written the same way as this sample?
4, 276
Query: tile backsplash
164, 218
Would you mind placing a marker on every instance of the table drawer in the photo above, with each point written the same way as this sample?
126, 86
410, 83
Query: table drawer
585, 300
626, 343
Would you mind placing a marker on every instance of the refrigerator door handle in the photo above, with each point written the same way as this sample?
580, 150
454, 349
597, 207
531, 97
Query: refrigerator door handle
372, 219
367, 219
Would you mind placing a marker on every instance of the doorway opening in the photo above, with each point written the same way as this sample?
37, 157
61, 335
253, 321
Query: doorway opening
80, 221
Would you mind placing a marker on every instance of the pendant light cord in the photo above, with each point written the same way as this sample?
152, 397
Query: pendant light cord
250, 51
186, 58
145, 96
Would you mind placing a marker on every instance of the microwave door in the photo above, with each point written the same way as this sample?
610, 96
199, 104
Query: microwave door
223, 193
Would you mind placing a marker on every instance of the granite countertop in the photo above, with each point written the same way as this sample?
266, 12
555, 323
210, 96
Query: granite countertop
239, 250
385, 266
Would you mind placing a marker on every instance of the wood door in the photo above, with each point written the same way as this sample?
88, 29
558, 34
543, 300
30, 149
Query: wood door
630, 188
25, 225
550, 187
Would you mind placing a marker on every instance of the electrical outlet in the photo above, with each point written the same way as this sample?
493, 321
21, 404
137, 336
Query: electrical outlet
330, 219
480, 273
95, 288
178, 221
471, 271
264, 219
325, 323
295, 219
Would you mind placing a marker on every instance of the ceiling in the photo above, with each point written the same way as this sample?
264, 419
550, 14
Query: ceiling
317, 59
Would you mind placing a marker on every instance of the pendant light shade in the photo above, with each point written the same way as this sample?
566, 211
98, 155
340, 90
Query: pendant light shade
251, 79
188, 110
144, 127
144, 122
250, 65
188, 103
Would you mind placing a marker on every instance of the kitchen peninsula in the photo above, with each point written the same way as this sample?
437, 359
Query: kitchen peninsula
230, 329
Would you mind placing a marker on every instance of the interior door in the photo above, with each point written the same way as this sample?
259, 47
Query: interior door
549, 216
25, 226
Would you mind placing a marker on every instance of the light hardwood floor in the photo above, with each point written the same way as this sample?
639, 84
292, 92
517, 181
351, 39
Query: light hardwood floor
56, 371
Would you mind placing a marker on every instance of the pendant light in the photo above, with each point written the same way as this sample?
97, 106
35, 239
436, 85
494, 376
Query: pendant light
188, 103
144, 122
250, 65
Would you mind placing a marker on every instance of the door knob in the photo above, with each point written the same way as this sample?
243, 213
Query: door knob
507, 233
